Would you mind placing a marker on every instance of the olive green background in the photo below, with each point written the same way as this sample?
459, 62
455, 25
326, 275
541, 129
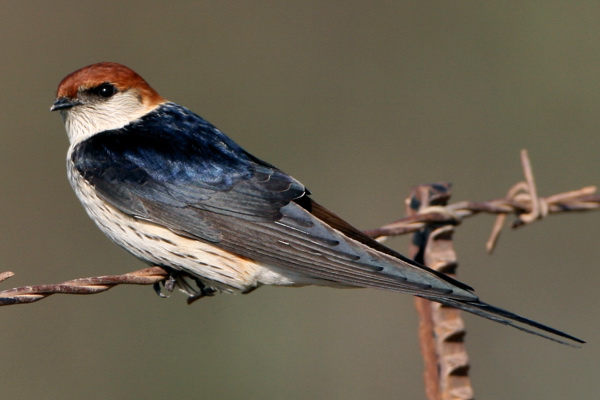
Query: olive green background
358, 100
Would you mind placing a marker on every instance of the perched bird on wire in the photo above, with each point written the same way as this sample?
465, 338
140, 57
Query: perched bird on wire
176, 192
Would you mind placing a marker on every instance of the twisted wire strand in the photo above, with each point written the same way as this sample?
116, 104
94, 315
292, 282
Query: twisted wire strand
92, 285
521, 200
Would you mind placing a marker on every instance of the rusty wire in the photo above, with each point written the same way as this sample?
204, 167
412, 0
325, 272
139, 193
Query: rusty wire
93, 285
522, 200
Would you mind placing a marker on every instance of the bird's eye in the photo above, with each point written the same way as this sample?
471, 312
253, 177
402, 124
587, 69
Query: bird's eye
105, 90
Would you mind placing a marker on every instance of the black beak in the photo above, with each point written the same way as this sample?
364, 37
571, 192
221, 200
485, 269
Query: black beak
64, 103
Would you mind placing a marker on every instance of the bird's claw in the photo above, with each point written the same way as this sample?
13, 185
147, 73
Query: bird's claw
204, 291
168, 283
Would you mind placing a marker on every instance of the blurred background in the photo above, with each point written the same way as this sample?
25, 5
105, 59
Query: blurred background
358, 100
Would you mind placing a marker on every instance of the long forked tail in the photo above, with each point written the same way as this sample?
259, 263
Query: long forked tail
496, 314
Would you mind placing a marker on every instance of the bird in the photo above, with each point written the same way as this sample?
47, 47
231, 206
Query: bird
173, 190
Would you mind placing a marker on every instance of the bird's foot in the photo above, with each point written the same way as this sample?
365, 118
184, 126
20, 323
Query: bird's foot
190, 285
202, 291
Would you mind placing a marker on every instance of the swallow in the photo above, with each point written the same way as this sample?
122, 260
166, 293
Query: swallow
176, 192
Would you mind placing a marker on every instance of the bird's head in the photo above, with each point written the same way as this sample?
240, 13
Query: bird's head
102, 97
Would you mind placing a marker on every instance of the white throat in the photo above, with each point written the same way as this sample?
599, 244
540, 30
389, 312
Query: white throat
84, 121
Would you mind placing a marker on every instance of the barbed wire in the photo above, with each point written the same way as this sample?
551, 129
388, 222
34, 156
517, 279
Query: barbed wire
521, 200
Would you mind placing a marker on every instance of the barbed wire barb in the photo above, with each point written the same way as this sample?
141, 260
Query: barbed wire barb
521, 200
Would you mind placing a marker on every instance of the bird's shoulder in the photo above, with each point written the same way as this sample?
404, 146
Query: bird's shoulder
170, 144
173, 156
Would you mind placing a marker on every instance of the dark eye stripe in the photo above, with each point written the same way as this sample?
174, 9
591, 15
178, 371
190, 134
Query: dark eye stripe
105, 90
